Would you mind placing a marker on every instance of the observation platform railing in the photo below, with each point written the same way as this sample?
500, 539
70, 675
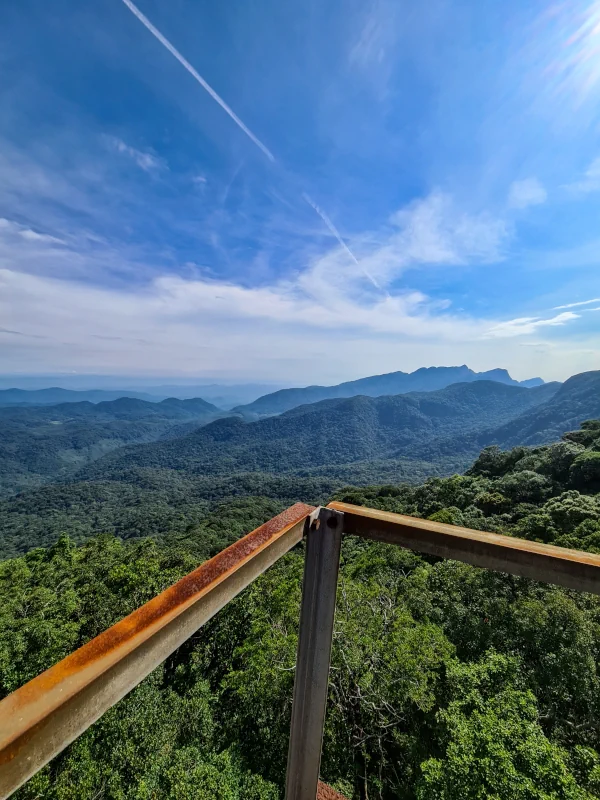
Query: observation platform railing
41, 718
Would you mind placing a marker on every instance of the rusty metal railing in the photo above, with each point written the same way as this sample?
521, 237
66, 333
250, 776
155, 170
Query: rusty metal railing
41, 718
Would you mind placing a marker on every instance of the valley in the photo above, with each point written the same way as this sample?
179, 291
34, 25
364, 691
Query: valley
459, 654
137, 469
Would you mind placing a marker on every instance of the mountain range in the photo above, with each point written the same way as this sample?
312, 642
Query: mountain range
576, 400
223, 396
426, 379
343, 438
55, 395
42, 442
137, 469
358, 439
250, 399
42, 439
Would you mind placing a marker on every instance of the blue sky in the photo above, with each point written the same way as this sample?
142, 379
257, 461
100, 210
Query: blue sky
299, 191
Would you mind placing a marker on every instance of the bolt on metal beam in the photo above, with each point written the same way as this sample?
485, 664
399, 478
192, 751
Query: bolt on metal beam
321, 568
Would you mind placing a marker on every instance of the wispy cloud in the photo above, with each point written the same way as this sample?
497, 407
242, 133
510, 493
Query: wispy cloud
11, 333
196, 75
374, 44
435, 230
73, 323
10, 228
428, 232
526, 325
590, 182
165, 328
525, 193
579, 303
145, 160
325, 294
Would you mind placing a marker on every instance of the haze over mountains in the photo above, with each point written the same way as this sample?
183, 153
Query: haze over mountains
138, 468
56, 394
255, 399
341, 437
426, 379
333, 435
221, 395
42, 442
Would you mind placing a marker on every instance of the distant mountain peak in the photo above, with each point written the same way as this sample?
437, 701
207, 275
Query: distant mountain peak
424, 379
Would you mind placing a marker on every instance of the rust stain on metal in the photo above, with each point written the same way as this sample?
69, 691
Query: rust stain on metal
147, 615
456, 533
8, 753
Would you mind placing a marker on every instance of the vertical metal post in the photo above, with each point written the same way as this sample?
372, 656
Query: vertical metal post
314, 652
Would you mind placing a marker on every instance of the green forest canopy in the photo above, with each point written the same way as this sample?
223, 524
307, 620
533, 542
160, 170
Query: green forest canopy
447, 681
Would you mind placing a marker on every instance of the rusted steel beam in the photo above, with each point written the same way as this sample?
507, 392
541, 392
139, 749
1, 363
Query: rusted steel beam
541, 562
311, 681
41, 718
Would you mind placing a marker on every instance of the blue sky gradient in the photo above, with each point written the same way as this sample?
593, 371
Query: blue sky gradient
395, 185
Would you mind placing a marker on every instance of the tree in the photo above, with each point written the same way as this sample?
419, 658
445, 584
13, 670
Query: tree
585, 471
493, 744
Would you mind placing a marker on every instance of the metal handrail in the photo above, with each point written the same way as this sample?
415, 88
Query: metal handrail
547, 563
41, 718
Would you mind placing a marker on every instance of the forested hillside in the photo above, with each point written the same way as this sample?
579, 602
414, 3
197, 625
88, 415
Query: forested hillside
38, 443
447, 681
334, 437
426, 379
56, 395
575, 400
305, 454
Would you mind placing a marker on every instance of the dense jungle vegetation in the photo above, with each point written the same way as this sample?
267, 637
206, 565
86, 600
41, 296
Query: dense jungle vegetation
447, 681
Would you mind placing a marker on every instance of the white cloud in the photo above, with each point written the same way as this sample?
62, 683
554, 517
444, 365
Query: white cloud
434, 230
9, 229
580, 303
375, 35
145, 160
526, 325
525, 193
373, 45
590, 181
174, 326
431, 231
331, 293
326, 312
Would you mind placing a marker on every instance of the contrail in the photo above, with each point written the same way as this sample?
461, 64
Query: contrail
155, 32
230, 184
336, 233
185, 63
